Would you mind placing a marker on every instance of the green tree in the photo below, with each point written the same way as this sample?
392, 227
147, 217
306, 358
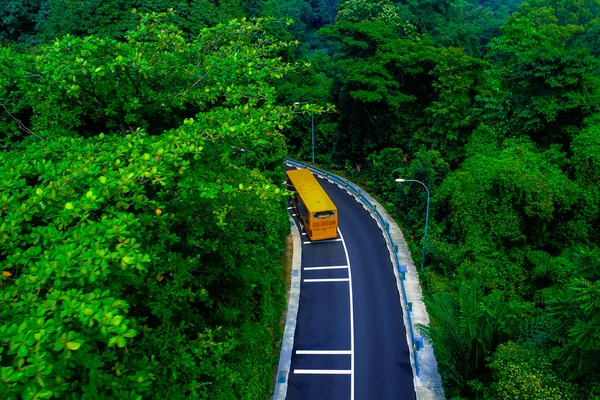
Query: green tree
574, 306
140, 265
395, 87
21, 20
545, 80
503, 199
527, 374
464, 331
113, 18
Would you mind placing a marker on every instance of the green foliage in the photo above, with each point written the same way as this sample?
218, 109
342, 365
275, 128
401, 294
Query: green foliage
545, 81
465, 331
586, 155
506, 197
154, 80
394, 87
21, 20
113, 18
139, 265
575, 307
527, 374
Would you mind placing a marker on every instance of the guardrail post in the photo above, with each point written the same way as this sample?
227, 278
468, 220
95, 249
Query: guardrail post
395, 248
418, 343
409, 306
374, 206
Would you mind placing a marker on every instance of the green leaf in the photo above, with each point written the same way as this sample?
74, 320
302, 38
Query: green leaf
23, 350
128, 259
44, 394
73, 345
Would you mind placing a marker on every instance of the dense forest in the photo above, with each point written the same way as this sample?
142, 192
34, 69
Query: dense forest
143, 223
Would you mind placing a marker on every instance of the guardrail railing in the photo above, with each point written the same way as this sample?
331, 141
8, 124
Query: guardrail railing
416, 343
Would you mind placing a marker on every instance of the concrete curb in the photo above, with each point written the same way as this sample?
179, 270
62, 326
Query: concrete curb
287, 344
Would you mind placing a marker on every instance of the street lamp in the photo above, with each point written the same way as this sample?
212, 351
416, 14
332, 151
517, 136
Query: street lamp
426, 214
313, 129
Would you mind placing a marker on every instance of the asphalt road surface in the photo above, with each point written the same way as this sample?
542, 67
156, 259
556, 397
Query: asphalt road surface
350, 341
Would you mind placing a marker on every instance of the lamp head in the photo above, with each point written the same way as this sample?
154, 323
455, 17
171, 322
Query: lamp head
400, 180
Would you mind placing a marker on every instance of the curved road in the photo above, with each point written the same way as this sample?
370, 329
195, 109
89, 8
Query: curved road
350, 341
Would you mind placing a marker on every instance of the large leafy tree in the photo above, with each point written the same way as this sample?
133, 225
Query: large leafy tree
502, 200
395, 87
140, 239
546, 79
22, 20
114, 18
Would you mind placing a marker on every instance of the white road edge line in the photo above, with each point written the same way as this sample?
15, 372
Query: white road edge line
330, 267
323, 352
351, 318
324, 371
326, 280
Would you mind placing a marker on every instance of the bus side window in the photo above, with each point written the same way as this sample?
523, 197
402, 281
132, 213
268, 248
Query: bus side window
302, 209
290, 188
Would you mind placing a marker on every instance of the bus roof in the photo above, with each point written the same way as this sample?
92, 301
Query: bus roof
310, 191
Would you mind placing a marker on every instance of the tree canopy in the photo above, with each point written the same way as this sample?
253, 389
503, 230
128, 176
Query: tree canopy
140, 246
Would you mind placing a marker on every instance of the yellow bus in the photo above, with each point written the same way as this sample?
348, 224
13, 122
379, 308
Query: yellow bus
314, 208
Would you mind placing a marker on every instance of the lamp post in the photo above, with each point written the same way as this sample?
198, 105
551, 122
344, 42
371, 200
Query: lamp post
426, 214
313, 129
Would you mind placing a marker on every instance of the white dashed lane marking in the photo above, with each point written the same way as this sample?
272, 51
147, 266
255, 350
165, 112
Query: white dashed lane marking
324, 371
323, 352
324, 241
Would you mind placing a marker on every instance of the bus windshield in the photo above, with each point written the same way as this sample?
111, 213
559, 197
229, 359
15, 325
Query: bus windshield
324, 214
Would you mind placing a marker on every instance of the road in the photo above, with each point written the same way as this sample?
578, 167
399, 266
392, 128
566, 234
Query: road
350, 341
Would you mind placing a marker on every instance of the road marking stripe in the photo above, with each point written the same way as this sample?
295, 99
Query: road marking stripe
324, 241
323, 352
289, 208
327, 280
323, 371
351, 318
304, 233
330, 267
293, 215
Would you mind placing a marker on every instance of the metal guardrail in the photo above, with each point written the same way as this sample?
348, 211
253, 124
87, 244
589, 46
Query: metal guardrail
416, 344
